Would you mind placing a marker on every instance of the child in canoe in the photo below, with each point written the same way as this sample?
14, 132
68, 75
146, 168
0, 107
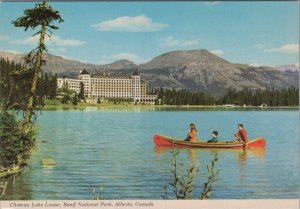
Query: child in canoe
192, 134
214, 137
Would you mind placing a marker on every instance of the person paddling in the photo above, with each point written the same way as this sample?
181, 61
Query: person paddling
192, 134
241, 134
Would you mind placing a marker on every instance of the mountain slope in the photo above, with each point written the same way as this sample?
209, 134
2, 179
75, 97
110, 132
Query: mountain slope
60, 65
196, 70
288, 67
200, 70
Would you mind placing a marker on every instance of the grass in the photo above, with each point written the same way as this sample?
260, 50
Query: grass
57, 103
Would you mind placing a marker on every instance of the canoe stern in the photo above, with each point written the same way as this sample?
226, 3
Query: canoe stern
257, 143
161, 141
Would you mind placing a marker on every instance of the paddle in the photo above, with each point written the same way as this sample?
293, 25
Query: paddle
188, 137
242, 142
240, 139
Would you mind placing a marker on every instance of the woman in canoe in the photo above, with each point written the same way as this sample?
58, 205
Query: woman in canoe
192, 134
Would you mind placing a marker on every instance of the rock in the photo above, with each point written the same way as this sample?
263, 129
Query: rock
48, 161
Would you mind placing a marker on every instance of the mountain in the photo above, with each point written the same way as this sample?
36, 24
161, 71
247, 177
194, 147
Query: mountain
55, 64
196, 70
62, 66
120, 64
288, 68
200, 70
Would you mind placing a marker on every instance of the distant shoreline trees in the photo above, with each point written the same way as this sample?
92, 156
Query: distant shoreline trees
288, 96
15, 90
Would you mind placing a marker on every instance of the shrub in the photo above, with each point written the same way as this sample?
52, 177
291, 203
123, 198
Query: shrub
182, 187
14, 145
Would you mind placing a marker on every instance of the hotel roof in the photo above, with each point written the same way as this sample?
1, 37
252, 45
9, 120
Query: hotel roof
84, 72
136, 73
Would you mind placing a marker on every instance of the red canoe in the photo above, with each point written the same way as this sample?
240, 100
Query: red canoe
166, 141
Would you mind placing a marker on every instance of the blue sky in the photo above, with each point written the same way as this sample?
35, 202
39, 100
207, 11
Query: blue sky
256, 33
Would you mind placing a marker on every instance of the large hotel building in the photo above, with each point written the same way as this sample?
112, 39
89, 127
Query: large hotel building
110, 86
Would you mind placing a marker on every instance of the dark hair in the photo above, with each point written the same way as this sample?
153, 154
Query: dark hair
241, 125
215, 133
193, 126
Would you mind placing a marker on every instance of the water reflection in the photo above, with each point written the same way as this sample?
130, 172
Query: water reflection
257, 153
241, 156
192, 153
15, 184
161, 149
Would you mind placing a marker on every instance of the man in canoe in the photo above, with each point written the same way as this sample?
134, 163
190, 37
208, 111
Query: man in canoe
192, 134
241, 134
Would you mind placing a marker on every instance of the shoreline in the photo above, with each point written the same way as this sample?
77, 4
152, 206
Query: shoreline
187, 107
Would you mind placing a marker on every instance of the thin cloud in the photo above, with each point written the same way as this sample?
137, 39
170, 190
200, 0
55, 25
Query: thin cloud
140, 23
211, 3
4, 38
173, 42
257, 64
72, 58
217, 52
57, 50
287, 48
123, 56
11, 51
26, 41
260, 46
53, 40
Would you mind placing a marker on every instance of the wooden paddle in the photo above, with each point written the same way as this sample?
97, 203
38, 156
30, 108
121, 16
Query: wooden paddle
242, 142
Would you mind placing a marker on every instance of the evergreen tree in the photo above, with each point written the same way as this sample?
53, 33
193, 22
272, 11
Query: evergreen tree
81, 91
41, 16
75, 99
46, 85
53, 87
283, 97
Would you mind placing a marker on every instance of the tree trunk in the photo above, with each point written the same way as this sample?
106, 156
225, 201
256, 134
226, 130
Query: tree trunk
37, 70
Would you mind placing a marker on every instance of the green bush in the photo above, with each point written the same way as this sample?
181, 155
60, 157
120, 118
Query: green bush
14, 145
183, 186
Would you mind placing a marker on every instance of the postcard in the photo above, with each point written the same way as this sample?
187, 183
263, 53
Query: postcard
149, 104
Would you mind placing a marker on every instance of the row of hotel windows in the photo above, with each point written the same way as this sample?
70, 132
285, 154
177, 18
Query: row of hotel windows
114, 84
104, 83
114, 87
111, 81
120, 88
114, 90
112, 95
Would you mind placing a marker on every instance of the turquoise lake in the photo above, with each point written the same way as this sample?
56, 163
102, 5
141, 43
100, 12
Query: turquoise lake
113, 148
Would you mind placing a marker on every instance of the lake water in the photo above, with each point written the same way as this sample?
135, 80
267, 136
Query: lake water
113, 148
